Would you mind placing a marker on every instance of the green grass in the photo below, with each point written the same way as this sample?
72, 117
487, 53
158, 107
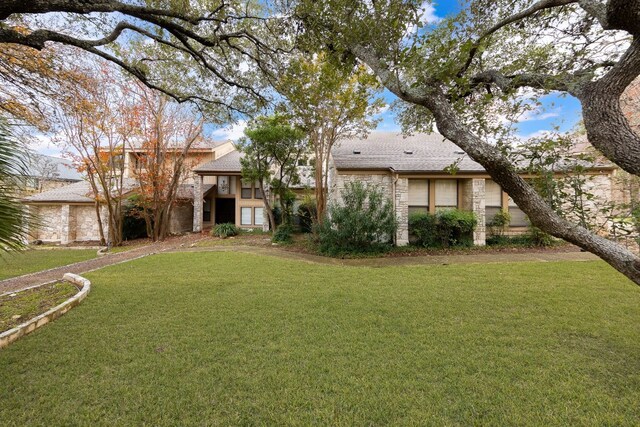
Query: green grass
18, 263
33, 302
238, 339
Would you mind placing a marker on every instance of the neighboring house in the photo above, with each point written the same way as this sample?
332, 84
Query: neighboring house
46, 173
411, 171
68, 213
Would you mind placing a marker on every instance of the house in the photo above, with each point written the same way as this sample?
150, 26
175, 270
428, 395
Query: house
68, 213
411, 171
45, 173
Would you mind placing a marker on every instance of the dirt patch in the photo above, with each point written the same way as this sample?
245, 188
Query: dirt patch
17, 308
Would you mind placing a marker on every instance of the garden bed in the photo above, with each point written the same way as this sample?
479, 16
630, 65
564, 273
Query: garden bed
18, 307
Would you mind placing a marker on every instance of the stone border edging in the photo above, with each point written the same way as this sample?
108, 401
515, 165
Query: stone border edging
29, 326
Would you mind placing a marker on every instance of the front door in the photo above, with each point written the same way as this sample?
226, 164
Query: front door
225, 211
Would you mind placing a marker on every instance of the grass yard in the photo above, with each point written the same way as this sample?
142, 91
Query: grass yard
239, 339
19, 263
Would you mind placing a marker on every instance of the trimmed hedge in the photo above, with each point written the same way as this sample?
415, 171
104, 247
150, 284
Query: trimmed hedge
444, 229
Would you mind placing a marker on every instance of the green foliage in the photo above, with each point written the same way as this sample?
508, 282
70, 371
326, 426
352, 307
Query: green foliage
499, 223
444, 229
283, 234
272, 149
133, 224
225, 230
422, 226
307, 214
13, 218
538, 237
364, 222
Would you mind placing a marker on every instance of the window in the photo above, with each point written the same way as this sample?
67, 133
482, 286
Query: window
246, 191
493, 199
518, 218
206, 211
223, 185
418, 196
446, 194
258, 218
245, 216
258, 191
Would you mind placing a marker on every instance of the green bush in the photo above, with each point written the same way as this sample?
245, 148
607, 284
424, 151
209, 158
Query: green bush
499, 223
225, 230
444, 229
307, 212
538, 237
133, 224
365, 222
283, 234
422, 226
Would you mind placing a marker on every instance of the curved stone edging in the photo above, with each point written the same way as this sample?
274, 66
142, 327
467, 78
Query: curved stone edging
29, 326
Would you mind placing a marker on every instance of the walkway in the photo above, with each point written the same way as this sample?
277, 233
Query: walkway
468, 258
21, 282
184, 244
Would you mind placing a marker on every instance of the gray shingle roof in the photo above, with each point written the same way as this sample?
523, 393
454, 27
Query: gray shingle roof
228, 163
49, 167
78, 192
201, 144
416, 153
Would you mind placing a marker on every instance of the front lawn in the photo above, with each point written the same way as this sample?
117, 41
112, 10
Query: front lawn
240, 339
18, 263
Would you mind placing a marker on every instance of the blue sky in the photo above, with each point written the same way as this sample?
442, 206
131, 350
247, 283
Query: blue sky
563, 112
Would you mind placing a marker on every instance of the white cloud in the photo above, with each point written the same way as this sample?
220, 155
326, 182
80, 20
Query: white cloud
43, 144
233, 132
538, 115
428, 13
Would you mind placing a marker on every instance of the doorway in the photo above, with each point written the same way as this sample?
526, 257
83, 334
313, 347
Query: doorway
225, 210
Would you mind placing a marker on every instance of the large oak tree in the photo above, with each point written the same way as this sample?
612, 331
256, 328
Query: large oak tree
455, 73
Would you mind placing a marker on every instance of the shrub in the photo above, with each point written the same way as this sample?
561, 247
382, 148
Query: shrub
444, 229
499, 222
283, 234
365, 222
307, 212
133, 224
455, 227
422, 226
225, 230
538, 237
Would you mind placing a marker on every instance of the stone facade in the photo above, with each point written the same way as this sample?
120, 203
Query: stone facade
49, 226
197, 203
473, 199
401, 190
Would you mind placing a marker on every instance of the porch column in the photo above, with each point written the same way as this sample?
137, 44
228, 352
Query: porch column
473, 199
265, 215
401, 204
65, 224
197, 203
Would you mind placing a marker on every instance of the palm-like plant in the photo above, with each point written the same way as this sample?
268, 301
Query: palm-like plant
13, 215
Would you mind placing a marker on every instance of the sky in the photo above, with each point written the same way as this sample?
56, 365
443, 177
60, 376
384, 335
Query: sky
556, 111
561, 112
